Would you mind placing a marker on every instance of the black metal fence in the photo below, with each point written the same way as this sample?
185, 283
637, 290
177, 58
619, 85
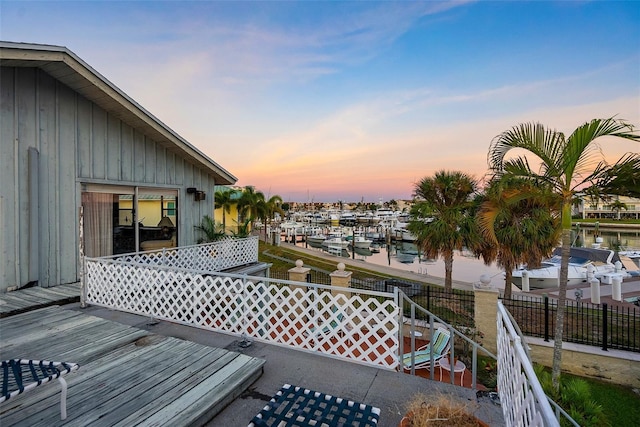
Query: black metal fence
456, 308
313, 276
602, 325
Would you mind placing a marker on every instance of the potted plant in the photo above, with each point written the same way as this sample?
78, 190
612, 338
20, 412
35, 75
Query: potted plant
439, 411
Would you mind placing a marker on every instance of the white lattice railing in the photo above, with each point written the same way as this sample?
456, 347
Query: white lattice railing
360, 327
523, 401
216, 256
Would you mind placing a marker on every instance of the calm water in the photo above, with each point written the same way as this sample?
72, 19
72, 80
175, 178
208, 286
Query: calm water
405, 256
625, 238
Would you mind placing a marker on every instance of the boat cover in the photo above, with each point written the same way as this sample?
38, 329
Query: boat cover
595, 255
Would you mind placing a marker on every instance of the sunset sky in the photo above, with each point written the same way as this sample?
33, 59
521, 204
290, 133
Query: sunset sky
351, 101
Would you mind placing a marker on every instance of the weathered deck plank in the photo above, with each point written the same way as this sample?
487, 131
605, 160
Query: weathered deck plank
97, 405
40, 330
215, 397
22, 300
153, 397
44, 316
127, 376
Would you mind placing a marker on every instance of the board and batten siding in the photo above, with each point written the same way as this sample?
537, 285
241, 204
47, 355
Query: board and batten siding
77, 143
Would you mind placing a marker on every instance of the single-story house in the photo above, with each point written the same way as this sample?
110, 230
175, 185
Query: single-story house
76, 149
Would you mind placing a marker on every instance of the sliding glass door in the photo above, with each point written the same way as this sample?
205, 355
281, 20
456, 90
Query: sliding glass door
158, 219
128, 219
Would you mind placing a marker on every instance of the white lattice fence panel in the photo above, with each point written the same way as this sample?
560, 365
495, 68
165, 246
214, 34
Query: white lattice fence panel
234, 252
216, 256
349, 326
352, 328
522, 399
121, 286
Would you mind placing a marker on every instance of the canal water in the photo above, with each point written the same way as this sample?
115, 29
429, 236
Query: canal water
466, 268
620, 239
406, 256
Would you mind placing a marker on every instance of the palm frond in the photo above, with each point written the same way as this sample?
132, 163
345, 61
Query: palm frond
546, 144
622, 178
580, 148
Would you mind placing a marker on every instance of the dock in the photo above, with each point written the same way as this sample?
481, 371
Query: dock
127, 376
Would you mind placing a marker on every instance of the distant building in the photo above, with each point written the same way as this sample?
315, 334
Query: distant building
614, 207
71, 139
231, 218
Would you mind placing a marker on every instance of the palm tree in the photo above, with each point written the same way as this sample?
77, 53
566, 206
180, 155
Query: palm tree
517, 217
222, 200
563, 160
266, 209
617, 206
445, 196
251, 204
271, 207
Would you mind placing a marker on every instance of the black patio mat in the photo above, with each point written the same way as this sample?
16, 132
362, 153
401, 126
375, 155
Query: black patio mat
298, 407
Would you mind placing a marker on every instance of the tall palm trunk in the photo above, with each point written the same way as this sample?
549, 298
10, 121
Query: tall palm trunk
448, 271
562, 299
508, 279
224, 220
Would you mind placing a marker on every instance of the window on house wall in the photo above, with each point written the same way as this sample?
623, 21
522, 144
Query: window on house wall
116, 221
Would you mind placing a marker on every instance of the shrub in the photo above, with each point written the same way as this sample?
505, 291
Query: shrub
575, 397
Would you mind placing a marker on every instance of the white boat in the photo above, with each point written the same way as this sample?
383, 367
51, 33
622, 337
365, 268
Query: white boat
290, 228
348, 218
365, 218
336, 242
374, 235
361, 242
335, 232
602, 262
631, 253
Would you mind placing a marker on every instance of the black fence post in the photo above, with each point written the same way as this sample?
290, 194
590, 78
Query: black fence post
546, 318
605, 327
428, 297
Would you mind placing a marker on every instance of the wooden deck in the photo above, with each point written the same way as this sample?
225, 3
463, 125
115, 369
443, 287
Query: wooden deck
26, 299
127, 376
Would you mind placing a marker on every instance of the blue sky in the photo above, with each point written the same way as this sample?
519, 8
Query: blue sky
353, 100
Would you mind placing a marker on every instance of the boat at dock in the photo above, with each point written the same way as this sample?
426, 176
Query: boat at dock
601, 262
336, 242
361, 242
632, 254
